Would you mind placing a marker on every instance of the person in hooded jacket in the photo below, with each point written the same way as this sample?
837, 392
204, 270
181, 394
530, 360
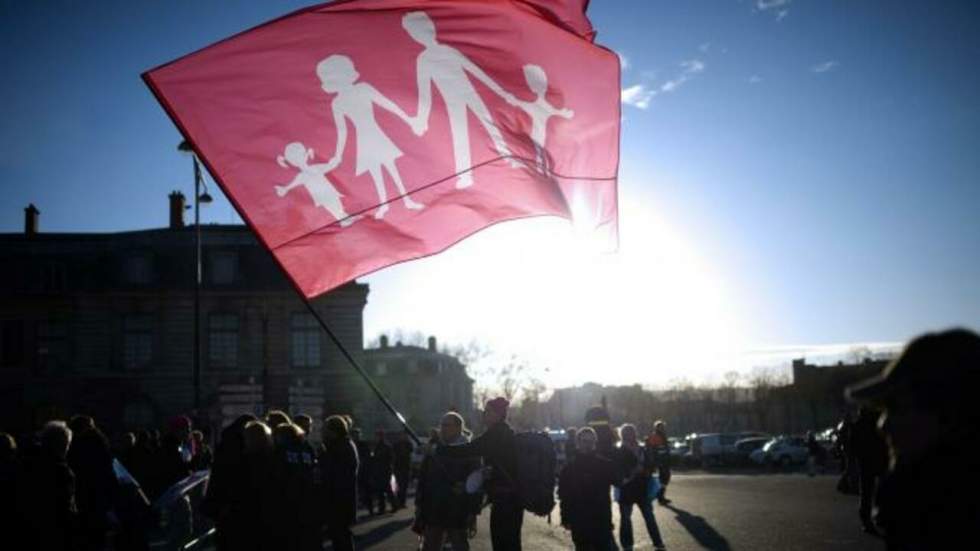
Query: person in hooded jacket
583, 492
338, 466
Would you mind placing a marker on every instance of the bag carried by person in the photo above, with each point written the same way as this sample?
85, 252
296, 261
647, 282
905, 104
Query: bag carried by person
653, 488
536, 471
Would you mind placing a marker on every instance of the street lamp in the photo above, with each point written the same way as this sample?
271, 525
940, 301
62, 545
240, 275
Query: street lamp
199, 198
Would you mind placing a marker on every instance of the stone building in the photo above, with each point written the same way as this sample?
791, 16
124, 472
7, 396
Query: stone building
421, 382
102, 323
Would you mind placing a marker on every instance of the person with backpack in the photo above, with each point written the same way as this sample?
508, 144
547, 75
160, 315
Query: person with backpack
635, 465
583, 491
498, 448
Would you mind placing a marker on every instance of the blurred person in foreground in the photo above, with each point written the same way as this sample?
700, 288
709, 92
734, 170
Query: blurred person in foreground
583, 491
444, 509
363, 469
296, 476
255, 505
96, 486
928, 498
338, 482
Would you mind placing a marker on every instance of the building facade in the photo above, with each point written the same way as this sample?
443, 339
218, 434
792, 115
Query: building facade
103, 324
422, 384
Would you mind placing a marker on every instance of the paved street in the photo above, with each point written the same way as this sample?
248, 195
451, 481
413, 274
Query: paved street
764, 511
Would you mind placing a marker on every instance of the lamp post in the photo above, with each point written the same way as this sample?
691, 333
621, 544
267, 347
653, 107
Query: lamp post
198, 199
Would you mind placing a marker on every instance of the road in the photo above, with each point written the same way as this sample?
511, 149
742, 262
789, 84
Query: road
709, 511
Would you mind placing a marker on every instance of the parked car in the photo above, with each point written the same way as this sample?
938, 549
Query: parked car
710, 450
745, 447
783, 451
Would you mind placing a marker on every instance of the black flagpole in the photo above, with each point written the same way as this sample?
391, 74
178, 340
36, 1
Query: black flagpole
362, 373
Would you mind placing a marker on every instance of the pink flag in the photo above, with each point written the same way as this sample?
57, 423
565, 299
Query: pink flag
358, 134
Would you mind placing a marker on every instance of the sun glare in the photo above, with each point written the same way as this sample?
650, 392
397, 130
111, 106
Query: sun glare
653, 312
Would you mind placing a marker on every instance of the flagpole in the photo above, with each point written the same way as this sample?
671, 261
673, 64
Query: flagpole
362, 373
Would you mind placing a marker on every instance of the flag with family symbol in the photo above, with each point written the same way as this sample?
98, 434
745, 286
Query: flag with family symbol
358, 134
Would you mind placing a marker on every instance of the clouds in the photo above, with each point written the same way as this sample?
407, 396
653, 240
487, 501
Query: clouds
755, 79
780, 8
638, 96
824, 67
641, 95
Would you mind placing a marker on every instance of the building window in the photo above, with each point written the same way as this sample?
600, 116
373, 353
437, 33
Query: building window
224, 267
138, 268
137, 341
12, 353
412, 367
52, 345
304, 340
223, 340
380, 369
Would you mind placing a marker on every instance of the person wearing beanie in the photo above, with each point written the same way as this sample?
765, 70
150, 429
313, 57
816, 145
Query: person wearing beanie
498, 449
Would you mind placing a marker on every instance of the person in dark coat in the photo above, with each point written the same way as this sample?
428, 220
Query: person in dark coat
871, 454
928, 497
251, 523
402, 450
295, 474
364, 470
203, 456
634, 465
169, 465
46, 494
498, 448
381, 471
90, 459
444, 510
569, 444
229, 475
338, 478
597, 417
583, 491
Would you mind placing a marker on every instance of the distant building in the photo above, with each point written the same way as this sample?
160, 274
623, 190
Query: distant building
422, 384
102, 323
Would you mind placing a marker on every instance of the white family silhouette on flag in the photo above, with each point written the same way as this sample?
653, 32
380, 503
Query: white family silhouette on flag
440, 66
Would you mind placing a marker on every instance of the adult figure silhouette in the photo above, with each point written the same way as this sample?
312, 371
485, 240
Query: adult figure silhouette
355, 100
449, 71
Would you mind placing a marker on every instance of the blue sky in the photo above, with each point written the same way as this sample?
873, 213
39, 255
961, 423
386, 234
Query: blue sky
810, 166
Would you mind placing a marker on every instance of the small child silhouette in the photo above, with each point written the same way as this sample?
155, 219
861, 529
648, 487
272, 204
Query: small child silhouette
540, 111
314, 179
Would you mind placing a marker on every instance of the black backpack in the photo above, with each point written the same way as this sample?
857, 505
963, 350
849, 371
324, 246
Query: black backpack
536, 471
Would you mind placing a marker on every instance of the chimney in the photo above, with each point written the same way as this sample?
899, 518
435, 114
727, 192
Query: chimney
432, 344
176, 210
31, 219
384, 341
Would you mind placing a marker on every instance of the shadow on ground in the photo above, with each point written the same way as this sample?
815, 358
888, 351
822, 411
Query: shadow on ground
700, 530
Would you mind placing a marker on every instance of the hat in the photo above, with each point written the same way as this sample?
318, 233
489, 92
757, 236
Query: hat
498, 405
935, 368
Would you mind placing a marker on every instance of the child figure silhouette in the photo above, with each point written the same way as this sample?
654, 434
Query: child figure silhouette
540, 111
314, 179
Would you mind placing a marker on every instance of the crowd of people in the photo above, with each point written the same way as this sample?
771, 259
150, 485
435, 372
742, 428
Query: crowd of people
908, 454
